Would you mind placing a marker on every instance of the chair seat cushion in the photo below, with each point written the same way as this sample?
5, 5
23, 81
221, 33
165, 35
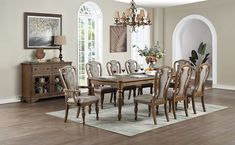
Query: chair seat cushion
83, 99
146, 98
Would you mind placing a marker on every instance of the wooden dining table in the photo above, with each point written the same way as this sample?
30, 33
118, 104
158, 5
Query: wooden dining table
119, 82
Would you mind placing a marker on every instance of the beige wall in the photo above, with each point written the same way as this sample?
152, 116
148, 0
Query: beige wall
221, 13
11, 36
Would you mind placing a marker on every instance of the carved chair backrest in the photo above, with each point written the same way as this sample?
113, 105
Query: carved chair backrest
179, 63
93, 69
131, 65
182, 79
68, 76
161, 82
202, 74
113, 66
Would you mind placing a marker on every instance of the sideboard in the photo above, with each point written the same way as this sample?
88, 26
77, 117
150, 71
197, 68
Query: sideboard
41, 80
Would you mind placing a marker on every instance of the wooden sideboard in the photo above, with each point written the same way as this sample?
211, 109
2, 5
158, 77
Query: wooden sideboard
41, 80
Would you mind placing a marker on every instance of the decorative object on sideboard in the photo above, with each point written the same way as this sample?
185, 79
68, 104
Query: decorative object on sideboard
132, 18
59, 41
55, 59
39, 29
118, 39
40, 54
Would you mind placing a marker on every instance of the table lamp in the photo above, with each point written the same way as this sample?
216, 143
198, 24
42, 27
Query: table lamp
60, 40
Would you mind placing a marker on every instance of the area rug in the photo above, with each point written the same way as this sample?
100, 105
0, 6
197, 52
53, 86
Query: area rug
128, 126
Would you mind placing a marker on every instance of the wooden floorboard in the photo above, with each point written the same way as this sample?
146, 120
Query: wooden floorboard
27, 124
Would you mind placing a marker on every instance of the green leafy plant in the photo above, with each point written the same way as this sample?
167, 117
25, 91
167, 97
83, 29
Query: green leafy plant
199, 57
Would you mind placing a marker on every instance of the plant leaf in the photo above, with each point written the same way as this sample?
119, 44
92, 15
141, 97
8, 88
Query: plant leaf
200, 48
206, 58
194, 54
193, 60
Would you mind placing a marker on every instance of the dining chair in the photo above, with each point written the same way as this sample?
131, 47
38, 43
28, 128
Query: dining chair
131, 67
197, 90
183, 77
73, 96
94, 69
159, 96
113, 68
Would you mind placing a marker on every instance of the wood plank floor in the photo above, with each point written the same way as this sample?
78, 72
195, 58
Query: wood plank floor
27, 124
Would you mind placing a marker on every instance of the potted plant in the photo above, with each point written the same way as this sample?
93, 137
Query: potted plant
200, 56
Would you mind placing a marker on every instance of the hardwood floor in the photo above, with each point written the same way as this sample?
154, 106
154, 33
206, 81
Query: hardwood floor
27, 124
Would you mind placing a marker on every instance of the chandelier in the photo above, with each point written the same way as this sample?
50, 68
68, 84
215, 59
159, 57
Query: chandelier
132, 18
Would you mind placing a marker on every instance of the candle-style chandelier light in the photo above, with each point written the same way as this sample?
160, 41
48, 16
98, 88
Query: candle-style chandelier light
132, 18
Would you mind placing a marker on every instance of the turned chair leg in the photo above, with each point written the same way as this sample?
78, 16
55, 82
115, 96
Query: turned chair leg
129, 96
151, 90
157, 108
66, 112
114, 99
97, 110
78, 111
136, 110
134, 93
89, 110
166, 112
203, 104
193, 104
123, 94
169, 106
111, 98
149, 108
154, 114
173, 108
185, 107
102, 100
83, 115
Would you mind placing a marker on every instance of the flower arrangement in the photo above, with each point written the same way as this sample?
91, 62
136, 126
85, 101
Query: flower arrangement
151, 54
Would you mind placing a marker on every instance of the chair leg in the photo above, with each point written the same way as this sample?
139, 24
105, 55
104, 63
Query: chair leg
176, 104
111, 98
185, 107
141, 91
193, 104
203, 104
138, 92
149, 108
151, 90
78, 111
123, 96
129, 96
89, 110
114, 99
66, 112
166, 112
102, 100
173, 107
157, 108
134, 93
97, 110
83, 114
169, 106
136, 110
154, 114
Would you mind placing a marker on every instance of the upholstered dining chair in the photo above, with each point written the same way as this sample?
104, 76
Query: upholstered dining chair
159, 97
131, 67
73, 96
177, 65
197, 90
183, 77
94, 69
114, 67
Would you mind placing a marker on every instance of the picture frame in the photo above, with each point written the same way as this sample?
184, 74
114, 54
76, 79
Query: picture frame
39, 29
118, 39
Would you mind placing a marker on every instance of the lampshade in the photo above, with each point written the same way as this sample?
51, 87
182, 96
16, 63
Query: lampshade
59, 40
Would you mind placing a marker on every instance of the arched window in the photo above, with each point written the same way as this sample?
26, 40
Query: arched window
89, 37
141, 38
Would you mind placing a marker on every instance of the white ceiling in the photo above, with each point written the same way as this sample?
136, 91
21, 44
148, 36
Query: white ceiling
161, 3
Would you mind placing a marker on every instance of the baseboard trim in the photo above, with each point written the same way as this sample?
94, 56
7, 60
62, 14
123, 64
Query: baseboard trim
10, 99
225, 87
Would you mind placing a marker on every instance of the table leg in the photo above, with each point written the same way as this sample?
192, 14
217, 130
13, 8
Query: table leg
120, 97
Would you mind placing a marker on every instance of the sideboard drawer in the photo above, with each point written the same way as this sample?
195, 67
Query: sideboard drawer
40, 69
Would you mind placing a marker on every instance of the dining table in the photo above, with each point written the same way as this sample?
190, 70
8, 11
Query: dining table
120, 81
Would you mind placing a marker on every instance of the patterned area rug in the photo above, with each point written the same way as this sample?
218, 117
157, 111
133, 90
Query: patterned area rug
128, 126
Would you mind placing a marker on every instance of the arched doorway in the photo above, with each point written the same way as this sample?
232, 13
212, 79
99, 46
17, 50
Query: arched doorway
197, 24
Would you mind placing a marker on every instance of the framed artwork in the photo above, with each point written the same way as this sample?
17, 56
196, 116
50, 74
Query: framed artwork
39, 29
118, 39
